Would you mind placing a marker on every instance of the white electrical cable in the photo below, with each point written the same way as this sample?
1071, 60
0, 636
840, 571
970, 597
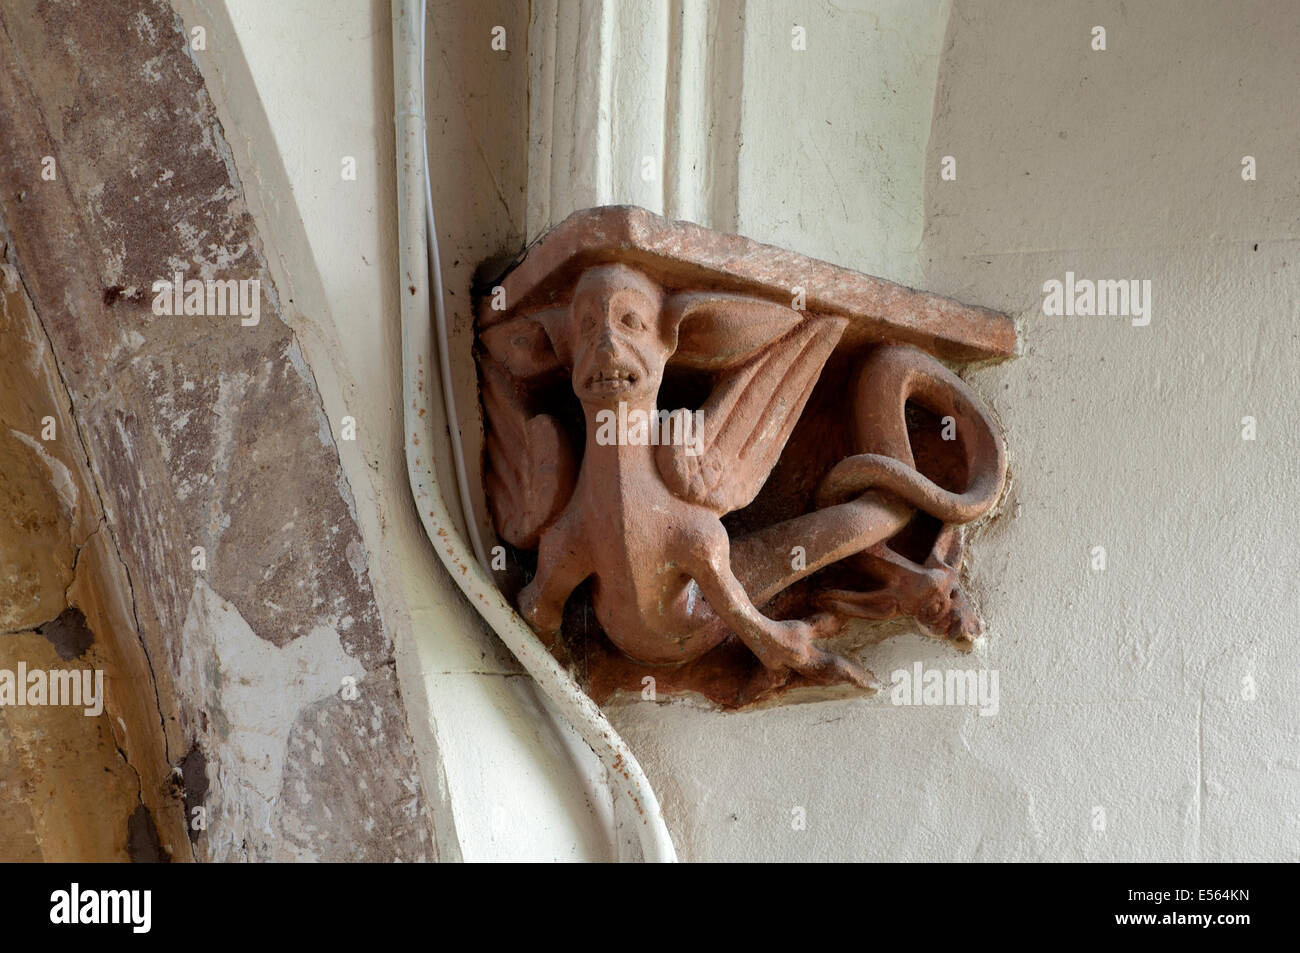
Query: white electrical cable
418, 252
440, 319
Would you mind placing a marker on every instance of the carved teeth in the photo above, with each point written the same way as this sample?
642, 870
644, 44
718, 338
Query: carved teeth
614, 377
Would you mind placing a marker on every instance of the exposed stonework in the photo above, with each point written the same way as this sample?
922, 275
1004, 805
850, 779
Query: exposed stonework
705, 376
200, 431
75, 787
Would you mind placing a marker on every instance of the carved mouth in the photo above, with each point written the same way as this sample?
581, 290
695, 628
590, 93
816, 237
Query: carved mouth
611, 380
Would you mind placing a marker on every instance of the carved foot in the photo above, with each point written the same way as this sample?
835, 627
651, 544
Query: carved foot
818, 665
544, 619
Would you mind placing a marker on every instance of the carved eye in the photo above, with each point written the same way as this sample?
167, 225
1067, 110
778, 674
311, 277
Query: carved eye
632, 321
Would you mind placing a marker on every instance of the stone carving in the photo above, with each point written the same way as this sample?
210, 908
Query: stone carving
721, 471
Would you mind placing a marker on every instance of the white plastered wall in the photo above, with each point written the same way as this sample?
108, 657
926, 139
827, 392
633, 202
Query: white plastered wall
1165, 689
1148, 711
1120, 690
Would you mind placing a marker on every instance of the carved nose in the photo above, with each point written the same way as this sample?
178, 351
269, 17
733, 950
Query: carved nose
606, 343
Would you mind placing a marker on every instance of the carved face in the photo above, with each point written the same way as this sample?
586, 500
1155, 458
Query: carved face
944, 609
619, 348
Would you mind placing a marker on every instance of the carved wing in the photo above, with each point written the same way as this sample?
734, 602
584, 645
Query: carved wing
531, 469
768, 359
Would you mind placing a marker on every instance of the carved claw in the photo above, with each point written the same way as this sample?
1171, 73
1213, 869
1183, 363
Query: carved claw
822, 666
829, 668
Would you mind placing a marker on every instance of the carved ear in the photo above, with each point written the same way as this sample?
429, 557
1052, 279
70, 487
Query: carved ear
948, 546
711, 331
530, 346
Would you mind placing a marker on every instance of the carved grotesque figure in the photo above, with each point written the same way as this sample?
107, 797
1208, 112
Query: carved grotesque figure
633, 502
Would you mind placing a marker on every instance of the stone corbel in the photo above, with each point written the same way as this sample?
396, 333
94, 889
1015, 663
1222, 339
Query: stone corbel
727, 450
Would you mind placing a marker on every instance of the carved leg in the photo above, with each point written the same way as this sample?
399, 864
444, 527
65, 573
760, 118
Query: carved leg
779, 645
560, 570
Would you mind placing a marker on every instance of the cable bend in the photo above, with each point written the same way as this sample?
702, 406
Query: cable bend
625, 775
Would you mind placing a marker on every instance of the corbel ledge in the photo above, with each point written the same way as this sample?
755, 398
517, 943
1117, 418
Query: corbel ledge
723, 451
